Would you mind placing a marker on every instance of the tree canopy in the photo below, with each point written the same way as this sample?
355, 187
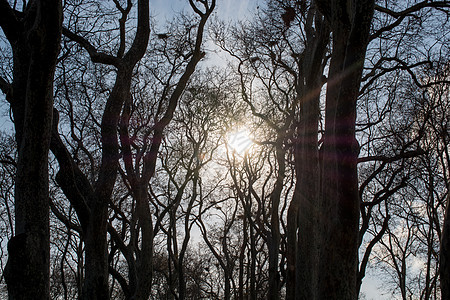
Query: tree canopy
287, 155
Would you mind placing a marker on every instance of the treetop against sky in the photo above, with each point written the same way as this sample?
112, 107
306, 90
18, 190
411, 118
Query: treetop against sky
203, 150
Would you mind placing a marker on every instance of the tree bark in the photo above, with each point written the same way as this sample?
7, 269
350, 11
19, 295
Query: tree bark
35, 36
274, 236
444, 267
302, 256
339, 213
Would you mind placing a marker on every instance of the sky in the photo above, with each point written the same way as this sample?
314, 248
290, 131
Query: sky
240, 10
227, 10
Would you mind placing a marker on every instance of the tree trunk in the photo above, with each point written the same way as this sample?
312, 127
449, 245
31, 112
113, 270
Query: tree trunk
339, 212
95, 285
35, 46
444, 268
274, 235
306, 193
302, 252
253, 293
242, 251
145, 259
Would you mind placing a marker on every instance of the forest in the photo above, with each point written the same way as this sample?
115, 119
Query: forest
300, 152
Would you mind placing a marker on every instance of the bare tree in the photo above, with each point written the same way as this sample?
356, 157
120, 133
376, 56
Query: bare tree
34, 33
91, 200
129, 149
8, 153
296, 38
347, 173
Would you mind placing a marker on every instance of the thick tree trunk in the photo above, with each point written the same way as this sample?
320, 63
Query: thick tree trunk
307, 193
291, 246
350, 23
302, 252
339, 208
302, 215
444, 267
95, 285
35, 46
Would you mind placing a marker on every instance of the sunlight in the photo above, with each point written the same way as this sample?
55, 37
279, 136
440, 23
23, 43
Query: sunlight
239, 141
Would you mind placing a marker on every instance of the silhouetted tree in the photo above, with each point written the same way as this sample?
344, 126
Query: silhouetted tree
34, 34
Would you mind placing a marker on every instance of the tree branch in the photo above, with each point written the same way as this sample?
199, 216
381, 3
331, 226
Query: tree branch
8, 21
382, 158
400, 16
5, 87
73, 182
60, 216
96, 57
122, 281
412, 9
139, 46
372, 243
198, 54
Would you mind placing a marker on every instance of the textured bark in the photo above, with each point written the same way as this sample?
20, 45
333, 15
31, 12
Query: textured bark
339, 213
34, 35
444, 267
144, 264
302, 257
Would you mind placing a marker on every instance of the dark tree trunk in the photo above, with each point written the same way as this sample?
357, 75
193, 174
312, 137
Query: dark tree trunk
306, 193
91, 202
241, 259
302, 256
35, 37
96, 279
141, 269
253, 252
339, 211
145, 261
95, 285
274, 235
444, 267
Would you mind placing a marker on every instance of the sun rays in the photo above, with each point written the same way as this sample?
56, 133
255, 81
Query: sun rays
239, 141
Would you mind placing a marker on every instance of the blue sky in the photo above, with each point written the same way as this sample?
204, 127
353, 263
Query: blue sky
227, 9
235, 10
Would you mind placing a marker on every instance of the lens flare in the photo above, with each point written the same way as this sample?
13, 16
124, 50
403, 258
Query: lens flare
239, 141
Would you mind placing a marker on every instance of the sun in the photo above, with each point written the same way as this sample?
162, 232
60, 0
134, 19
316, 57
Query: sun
239, 141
